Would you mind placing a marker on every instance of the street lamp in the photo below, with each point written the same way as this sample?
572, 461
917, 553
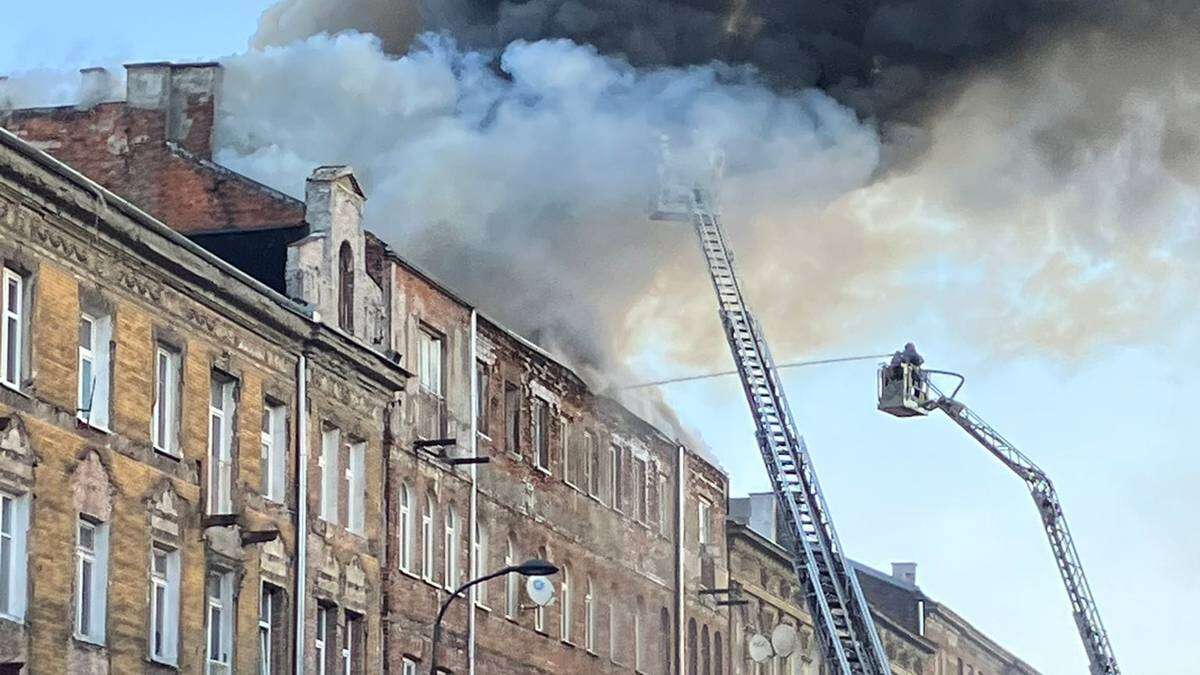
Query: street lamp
529, 568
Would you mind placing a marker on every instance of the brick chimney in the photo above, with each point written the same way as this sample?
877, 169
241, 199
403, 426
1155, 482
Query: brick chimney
905, 571
186, 93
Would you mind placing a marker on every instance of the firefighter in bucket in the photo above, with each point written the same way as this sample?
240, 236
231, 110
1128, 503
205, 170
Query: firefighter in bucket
903, 391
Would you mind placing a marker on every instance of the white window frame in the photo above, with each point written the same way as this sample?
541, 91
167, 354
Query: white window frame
642, 488
14, 534
480, 561
85, 384
616, 460
540, 412
704, 522
220, 663
91, 588
430, 361
450, 548
591, 467
565, 609
589, 618
512, 602
331, 445
637, 638
664, 518
320, 640
356, 487
221, 417
348, 648
164, 602
164, 424
12, 329
408, 666
268, 596
427, 543
274, 452
406, 528
539, 611
483, 380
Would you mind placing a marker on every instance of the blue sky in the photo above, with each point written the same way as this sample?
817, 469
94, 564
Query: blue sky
1112, 430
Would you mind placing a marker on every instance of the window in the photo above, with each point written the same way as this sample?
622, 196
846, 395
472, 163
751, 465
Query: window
640, 487
565, 603
427, 539
664, 515
14, 528
406, 528
409, 667
450, 547
719, 654
352, 651
612, 633
221, 415
510, 581
664, 639
706, 655
274, 452
429, 362
637, 635
481, 562
356, 488
618, 459
512, 418
166, 400
95, 335
322, 639
346, 287
539, 612
570, 463
593, 463
220, 621
12, 329
483, 422
164, 604
921, 618
272, 627
331, 441
589, 618
91, 580
541, 434
704, 517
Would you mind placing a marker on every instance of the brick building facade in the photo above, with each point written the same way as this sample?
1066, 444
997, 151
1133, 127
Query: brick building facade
409, 387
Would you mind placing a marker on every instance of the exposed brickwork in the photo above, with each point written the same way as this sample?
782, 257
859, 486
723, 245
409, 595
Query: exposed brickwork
135, 152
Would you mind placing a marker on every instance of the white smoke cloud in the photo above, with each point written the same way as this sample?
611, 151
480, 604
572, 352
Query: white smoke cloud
528, 187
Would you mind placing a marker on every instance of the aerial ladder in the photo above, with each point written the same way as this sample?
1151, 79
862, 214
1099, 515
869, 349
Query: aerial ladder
905, 390
842, 620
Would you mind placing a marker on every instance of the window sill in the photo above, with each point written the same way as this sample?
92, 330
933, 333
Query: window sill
84, 424
542, 469
568, 643
410, 574
168, 454
592, 652
483, 608
87, 642
165, 664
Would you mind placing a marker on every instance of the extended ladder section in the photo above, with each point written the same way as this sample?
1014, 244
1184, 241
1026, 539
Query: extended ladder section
1087, 615
849, 641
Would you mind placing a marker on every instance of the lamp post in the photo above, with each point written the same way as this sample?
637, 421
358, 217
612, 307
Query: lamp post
529, 568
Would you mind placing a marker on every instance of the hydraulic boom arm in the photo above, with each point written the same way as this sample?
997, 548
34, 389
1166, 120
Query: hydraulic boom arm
917, 391
844, 627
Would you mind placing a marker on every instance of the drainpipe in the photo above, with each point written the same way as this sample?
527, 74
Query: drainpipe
471, 562
301, 511
680, 509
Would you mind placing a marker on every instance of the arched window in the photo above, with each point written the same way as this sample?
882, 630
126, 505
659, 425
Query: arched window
510, 580
664, 636
427, 539
564, 603
405, 523
482, 564
589, 617
692, 661
638, 610
718, 654
346, 287
539, 613
705, 654
450, 549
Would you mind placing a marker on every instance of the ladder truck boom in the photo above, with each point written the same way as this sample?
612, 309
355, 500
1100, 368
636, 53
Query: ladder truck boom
905, 390
844, 627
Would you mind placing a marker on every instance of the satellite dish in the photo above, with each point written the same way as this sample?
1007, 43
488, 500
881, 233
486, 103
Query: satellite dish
760, 648
540, 590
783, 639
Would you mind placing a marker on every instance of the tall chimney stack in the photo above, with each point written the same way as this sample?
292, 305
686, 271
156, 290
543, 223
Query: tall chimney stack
95, 85
905, 571
186, 94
